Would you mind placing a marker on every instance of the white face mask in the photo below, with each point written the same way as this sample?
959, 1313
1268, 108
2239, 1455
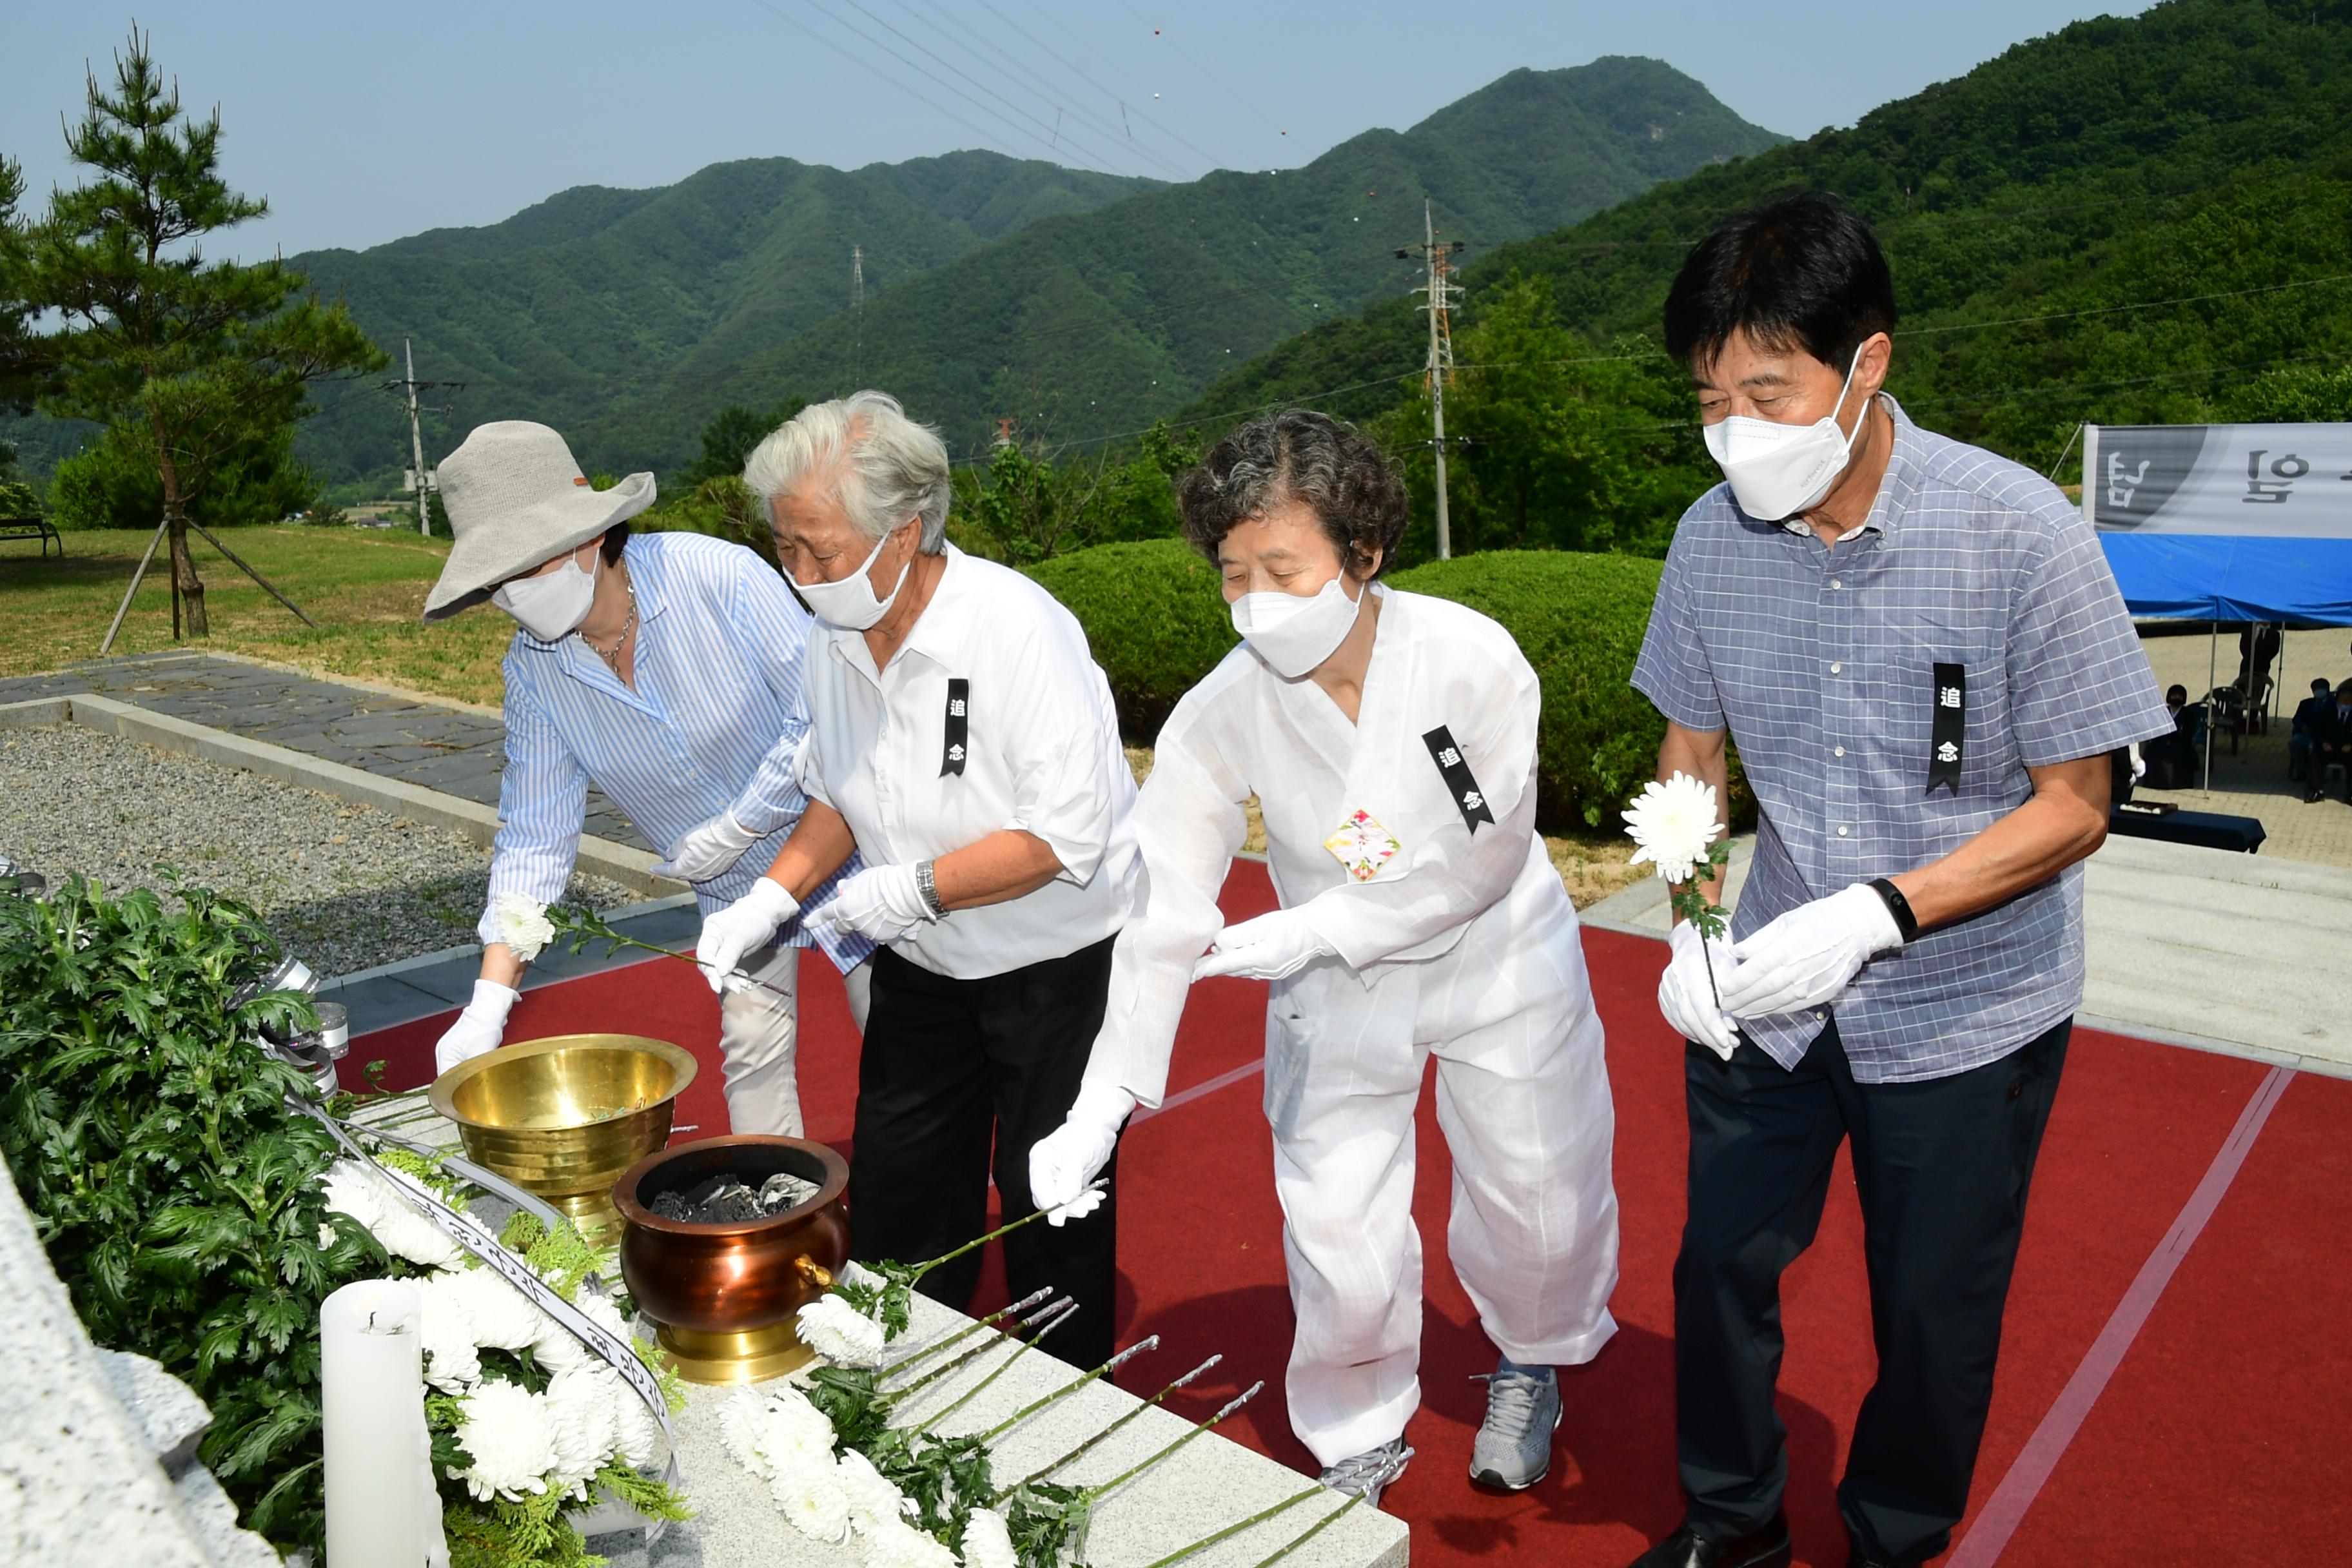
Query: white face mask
551, 606
849, 604
1779, 470
1294, 632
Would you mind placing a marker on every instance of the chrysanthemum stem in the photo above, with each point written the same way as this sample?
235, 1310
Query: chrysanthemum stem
1244, 1397
589, 926
923, 1268
925, 1351
1026, 1411
1069, 1310
1089, 1444
1309, 1533
1232, 1530
899, 1395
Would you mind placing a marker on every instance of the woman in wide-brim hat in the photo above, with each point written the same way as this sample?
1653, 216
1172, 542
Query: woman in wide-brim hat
664, 669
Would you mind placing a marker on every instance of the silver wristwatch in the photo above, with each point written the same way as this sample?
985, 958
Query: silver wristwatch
929, 889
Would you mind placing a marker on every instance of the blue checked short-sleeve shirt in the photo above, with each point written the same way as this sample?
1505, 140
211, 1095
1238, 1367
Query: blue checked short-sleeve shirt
1822, 662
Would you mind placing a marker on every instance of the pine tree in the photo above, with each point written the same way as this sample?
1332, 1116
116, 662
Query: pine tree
190, 361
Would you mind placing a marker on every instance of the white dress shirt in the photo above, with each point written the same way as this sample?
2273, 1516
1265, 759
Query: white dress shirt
1042, 754
712, 725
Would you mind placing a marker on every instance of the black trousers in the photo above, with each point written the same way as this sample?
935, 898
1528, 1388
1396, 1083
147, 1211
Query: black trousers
948, 1065
1942, 1167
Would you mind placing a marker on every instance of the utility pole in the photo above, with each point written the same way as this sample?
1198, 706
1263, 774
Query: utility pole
857, 307
1441, 296
408, 387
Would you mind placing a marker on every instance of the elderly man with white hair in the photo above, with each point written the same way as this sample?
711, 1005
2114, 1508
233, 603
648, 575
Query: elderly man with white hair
963, 743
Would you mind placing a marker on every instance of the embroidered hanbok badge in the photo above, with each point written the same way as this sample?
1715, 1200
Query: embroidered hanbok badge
1362, 845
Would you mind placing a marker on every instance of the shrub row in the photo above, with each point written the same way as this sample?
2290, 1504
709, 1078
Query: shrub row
1157, 624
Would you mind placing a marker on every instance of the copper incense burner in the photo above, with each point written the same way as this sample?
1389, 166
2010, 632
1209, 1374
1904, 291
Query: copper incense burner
722, 1296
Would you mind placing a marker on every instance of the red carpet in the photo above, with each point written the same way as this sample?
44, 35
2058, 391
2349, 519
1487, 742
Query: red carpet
2220, 1438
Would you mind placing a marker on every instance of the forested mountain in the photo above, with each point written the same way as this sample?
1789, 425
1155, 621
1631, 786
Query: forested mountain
1103, 322
596, 292
2128, 220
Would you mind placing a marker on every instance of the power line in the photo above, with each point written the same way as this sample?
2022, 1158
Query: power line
1208, 158
987, 138
1093, 159
947, 20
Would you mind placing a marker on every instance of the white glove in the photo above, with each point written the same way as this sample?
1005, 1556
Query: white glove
709, 850
748, 923
1062, 1163
1807, 956
1271, 947
881, 903
479, 1028
1685, 996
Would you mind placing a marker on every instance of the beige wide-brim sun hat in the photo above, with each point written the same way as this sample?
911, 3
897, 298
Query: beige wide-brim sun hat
516, 499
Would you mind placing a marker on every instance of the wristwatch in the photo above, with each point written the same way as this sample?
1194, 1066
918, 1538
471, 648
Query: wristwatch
1896, 905
929, 889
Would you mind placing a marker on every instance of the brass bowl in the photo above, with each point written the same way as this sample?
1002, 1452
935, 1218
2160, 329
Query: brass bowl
563, 1116
722, 1296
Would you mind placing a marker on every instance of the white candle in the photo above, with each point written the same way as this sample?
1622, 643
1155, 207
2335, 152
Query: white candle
382, 1511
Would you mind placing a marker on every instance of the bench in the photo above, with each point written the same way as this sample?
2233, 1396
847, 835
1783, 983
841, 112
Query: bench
32, 528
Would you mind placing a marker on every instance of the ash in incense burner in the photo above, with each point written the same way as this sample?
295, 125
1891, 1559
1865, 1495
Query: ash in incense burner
726, 1200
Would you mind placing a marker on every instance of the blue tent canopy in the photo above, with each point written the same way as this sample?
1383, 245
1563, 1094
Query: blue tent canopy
2218, 577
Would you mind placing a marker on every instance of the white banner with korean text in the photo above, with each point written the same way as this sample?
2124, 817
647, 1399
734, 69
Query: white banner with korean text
2273, 481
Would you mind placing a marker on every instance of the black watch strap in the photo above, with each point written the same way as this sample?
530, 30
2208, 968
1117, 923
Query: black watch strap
1898, 906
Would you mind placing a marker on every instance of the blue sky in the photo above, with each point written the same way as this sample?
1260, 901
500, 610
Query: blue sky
363, 123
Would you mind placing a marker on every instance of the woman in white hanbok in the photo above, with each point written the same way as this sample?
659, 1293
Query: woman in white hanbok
1390, 739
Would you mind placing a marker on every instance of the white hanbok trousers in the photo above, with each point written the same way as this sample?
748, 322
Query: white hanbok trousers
1523, 1101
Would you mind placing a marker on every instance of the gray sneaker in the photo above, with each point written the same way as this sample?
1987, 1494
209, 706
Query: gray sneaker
1365, 1475
1514, 1447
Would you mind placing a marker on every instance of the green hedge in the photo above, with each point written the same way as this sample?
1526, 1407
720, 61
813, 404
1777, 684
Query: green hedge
1579, 618
1157, 624
1155, 620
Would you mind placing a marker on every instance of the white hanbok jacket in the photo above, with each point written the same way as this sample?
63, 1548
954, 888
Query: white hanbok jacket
1461, 925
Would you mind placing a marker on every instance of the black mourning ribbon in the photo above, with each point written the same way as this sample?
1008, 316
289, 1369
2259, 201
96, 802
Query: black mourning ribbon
1948, 739
958, 726
1469, 798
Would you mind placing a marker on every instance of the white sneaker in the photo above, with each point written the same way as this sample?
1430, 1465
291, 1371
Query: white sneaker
1514, 1447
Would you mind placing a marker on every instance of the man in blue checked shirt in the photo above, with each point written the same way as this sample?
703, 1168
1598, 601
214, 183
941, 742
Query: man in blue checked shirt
1924, 660
665, 670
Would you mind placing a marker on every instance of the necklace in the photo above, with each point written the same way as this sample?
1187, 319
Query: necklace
613, 659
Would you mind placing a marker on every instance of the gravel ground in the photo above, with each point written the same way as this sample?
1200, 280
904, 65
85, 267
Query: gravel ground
344, 887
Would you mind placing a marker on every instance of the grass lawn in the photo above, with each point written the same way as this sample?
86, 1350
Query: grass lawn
365, 588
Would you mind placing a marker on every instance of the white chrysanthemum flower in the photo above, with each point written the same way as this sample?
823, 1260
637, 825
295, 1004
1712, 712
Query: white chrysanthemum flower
840, 1333
445, 1331
1671, 824
789, 1444
904, 1546
558, 1348
988, 1541
874, 1501
503, 1316
638, 1432
352, 1192
742, 1422
355, 1188
814, 1504
522, 924
507, 1433
585, 1424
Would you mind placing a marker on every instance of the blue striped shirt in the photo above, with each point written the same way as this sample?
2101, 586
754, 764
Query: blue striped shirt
1822, 661
714, 725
